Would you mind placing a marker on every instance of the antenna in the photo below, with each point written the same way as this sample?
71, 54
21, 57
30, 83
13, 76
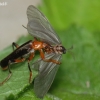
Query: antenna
71, 52
24, 26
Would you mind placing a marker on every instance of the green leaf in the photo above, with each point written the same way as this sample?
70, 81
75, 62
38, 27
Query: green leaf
28, 95
63, 13
76, 79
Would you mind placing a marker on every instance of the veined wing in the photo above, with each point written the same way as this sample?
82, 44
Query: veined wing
39, 26
46, 75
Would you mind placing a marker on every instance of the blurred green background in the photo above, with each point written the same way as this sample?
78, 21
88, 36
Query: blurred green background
77, 22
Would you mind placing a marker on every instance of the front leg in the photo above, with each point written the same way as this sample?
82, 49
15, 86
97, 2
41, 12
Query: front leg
47, 60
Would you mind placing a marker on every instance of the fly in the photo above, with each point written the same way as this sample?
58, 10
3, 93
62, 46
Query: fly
47, 42
39, 27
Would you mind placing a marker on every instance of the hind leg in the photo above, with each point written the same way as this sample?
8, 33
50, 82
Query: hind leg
9, 75
8, 67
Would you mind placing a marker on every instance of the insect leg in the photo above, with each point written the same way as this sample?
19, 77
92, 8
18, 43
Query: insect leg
19, 60
14, 44
29, 59
47, 60
9, 75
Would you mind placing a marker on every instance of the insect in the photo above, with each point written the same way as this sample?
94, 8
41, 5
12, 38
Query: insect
39, 27
47, 42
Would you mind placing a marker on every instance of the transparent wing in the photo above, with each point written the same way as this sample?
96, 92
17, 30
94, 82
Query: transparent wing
46, 75
39, 27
